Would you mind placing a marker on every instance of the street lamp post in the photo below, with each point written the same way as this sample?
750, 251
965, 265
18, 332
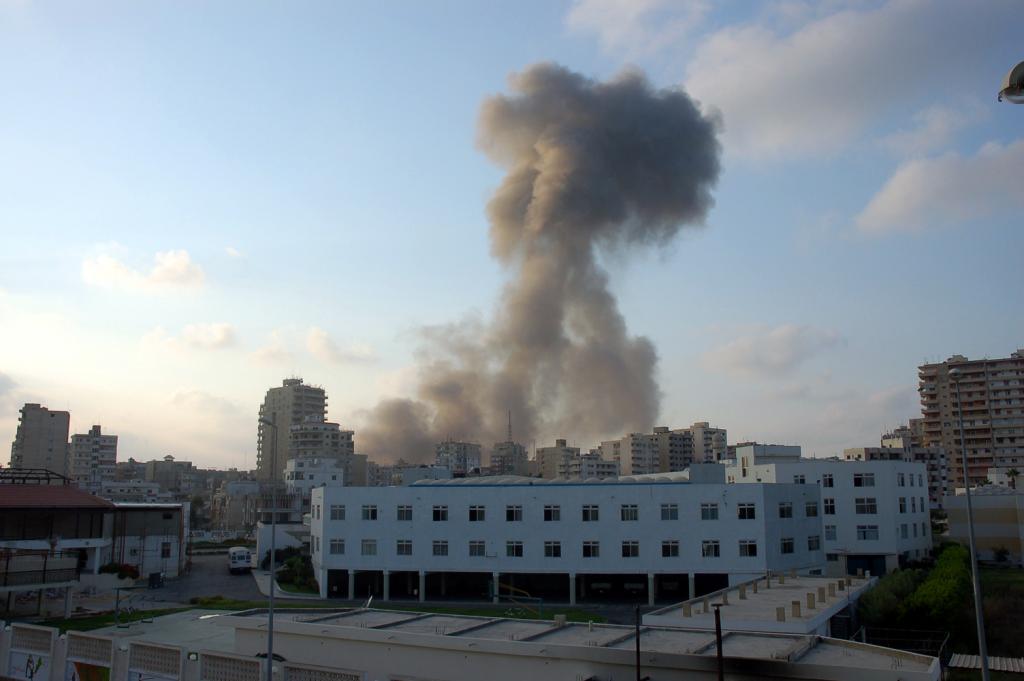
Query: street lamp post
955, 374
273, 538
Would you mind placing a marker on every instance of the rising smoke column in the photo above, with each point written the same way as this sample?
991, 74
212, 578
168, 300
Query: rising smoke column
592, 168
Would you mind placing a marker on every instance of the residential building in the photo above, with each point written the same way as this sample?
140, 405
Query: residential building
899, 445
41, 440
636, 454
675, 448
152, 537
998, 521
747, 454
1006, 477
551, 461
589, 466
302, 475
709, 444
177, 477
93, 459
317, 439
992, 392
652, 538
509, 458
133, 491
461, 458
875, 513
229, 505
403, 473
285, 406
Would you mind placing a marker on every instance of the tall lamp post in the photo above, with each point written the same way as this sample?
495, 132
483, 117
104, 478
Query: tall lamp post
955, 375
273, 538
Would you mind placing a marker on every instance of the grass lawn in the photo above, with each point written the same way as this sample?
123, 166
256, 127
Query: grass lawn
105, 619
296, 589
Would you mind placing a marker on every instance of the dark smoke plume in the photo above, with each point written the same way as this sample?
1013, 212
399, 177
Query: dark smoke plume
592, 167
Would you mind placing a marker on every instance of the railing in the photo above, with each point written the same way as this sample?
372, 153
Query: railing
25, 569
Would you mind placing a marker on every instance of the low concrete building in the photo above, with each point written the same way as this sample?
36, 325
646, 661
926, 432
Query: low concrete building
405, 646
781, 604
998, 521
153, 537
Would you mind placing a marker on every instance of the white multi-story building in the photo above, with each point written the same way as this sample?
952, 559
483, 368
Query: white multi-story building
659, 537
301, 476
875, 513
461, 458
92, 460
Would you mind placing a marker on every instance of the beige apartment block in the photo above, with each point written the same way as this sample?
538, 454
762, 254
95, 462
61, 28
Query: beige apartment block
285, 406
93, 459
998, 521
41, 440
992, 392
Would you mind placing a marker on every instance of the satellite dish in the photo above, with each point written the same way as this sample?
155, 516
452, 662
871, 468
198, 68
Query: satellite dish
1013, 85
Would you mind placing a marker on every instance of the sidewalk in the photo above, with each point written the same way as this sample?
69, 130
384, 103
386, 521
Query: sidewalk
262, 578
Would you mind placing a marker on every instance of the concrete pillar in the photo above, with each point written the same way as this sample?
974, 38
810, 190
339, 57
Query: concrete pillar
351, 584
572, 588
387, 585
754, 585
650, 589
743, 592
495, 577
423, 586
691, 584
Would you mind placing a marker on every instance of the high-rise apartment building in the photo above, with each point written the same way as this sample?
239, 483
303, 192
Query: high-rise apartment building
41, 440
552, 460
509, 458
318, 439
459, 457
636, 454
285, 407
93, 459
992, 396
709, 444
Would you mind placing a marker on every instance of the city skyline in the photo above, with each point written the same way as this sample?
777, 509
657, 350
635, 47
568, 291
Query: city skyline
298, 221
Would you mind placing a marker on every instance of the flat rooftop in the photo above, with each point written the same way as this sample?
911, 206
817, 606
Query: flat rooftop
761, 607
521, 481
441, 628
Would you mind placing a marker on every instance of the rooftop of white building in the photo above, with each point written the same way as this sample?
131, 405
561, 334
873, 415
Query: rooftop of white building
567, 640
518, 480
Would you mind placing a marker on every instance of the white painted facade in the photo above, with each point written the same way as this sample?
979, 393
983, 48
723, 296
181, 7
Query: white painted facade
870, 510
656, 525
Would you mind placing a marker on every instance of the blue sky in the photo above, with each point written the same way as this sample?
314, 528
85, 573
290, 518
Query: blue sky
201, 199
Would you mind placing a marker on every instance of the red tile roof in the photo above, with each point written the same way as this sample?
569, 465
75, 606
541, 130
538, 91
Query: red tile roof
48, 496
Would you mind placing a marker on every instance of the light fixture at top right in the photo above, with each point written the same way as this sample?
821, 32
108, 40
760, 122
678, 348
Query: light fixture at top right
1013, 85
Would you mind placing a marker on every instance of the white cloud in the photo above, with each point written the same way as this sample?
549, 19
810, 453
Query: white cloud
947, 190
819, 87
274, 352
771, 352
233, 252
934, 128
637, 26
322, 346
170, 270
216, 336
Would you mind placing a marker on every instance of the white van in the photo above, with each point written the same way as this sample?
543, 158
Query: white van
239, 559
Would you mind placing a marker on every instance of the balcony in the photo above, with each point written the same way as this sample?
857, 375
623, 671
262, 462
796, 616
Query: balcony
34, 569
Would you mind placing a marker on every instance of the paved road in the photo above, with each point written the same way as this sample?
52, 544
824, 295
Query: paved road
209, 577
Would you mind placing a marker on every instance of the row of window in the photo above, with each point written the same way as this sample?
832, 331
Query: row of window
553, 512
709, 548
